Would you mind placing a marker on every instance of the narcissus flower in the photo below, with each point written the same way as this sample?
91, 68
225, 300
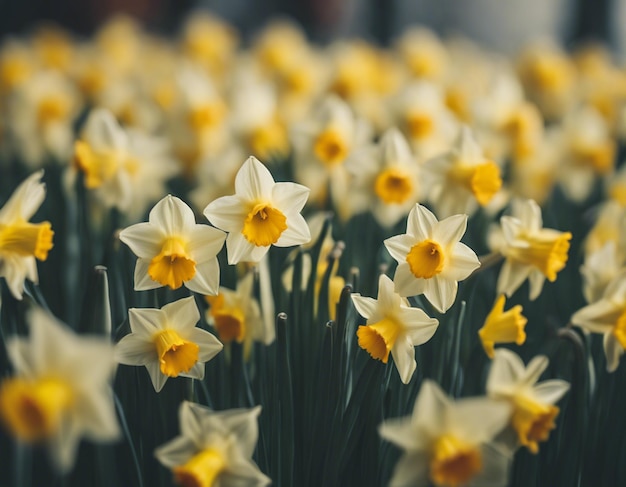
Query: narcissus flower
261, 213
502, 326
531, 252
60, 391
449, 443
431, 259
214, 448
173, 250
607, 316
21, 242
168, 342
236, 315
533, 405
462, 178
393, 327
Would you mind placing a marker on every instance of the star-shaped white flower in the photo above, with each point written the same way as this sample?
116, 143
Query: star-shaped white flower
214, 448
431, 258
168, 342
393, 327
61, 389
449, 443
533, 404
261, 213
173, 250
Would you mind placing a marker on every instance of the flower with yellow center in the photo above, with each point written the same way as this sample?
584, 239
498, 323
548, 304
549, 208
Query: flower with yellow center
167, 342
431, 259
125, 169
600, 268
533, 410
261, 213
173, 250
502, 327
214, 448
449, 443
463, 178
531, 252
393, 327
388, 183
607, 316
21, 242
236, 315
60, 391
326, 145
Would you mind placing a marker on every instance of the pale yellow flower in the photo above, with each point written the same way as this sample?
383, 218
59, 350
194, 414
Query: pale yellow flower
533, 410
431, 259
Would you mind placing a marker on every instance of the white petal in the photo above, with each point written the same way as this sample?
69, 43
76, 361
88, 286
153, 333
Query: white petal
529, 214
25, 200
135, 350
400, 432
243, 424
365, 306
450, 230
403, 354
98, 416
399, 246
431, 407
227, 213
191, 417
196, 371
419, 327
506, 370
420, 223
550, 391
63, 445
176, 452
440, 292
411, 471
239, 249
599, 317
406, 284
146, 321
478, 420
496, 463
243, 472
463, 262
157, 377
207, 278
181, 315
143, 281
144, 239
535, 368
511, 277
290, 197
296, 233
172, 216
536, 280
209, 345
205, 242
253, 181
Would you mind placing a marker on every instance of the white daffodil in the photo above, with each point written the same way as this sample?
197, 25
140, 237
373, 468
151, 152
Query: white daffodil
449, 443
531, 252
462, 178
215, 448
431, 259
389, 182
533, 410
323, 147
421, 113
61, 389
167, 342
236, 315
42, 111
599, 269
607, 316
173, 250
393, 327
21, 242
126, 169
260, 213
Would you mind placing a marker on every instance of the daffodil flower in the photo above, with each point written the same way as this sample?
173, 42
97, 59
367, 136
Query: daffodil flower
502, 326
431, 259
449, 443
21, 242
261, 213
214, 448
393, 327
533, 404
173, 250
462, 178
531, 252
167, 342
607, 316
60, 391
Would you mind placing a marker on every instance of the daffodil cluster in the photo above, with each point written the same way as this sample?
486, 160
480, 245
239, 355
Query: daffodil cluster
306, 253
